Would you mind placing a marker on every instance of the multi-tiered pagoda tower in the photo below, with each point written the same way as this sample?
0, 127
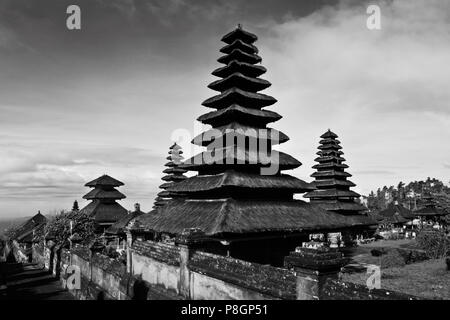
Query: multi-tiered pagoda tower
240, 201
103, 207
429, 210
333, 189
173, 175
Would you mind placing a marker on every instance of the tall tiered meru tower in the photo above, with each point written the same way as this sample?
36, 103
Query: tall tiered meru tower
240, 201
333, 189
173, 175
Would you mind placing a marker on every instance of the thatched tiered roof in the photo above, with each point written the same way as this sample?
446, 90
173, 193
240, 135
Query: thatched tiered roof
235, 192
395, 213
333, 189
104, 208
430, 208
24, 233
173, 175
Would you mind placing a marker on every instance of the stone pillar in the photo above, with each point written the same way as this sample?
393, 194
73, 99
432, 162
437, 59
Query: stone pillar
130, 239
188, 241
314, 267
184, 285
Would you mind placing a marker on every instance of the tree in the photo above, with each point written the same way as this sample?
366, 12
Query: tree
58, 229
75, 206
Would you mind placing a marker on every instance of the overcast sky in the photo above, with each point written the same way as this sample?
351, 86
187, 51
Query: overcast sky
107, 98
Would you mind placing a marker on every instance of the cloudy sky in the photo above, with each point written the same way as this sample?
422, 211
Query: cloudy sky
109, 98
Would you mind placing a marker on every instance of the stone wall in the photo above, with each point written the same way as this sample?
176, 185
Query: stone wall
168, 271
237, 279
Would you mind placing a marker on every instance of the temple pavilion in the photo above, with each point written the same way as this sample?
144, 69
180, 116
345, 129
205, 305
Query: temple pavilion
173, 175
241, 203
104, 207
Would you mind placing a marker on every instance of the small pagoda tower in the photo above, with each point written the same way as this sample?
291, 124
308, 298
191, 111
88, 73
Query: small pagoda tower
333, 189
104, 207
429, 210
173, 175
240, 203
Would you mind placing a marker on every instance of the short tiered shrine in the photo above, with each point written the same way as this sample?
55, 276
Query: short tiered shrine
103, 207
240, 203
173, 175
429, 211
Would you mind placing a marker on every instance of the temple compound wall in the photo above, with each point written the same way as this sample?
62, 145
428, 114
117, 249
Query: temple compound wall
158, 270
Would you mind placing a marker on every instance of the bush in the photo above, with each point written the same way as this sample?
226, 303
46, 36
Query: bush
435, 243
392, 259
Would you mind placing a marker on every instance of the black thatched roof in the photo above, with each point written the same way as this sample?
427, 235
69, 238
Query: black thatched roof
429, 212
225, 216
331, 178
395, 210
25, 231
249, 116
102, 212
239, 34
238, 130
174, 175
232, 178
104, 194
119, 227
104, 181
223, 157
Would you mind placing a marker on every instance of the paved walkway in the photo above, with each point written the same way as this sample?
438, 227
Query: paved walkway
29, 282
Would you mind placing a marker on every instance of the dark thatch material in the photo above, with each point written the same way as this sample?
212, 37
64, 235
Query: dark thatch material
118, 228
395, 213
241, 67
104, 212
24, 232
231, 178
429, 212
331, 193
224, 216
238, 96
230, 155
239, 34
104, 181
241, 45
239, 81
174, 175
259, 118
237, 130
333, 189
104, 194
329, 134
239, 55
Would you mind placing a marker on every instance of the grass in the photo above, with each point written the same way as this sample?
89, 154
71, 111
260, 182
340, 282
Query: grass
428, 279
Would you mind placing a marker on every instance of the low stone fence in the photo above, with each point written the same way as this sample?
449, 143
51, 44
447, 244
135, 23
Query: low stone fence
167, 271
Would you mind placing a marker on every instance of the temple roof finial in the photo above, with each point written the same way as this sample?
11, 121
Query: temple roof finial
239, 26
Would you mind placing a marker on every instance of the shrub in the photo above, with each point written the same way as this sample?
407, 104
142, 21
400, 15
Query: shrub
392, 259
435, 243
